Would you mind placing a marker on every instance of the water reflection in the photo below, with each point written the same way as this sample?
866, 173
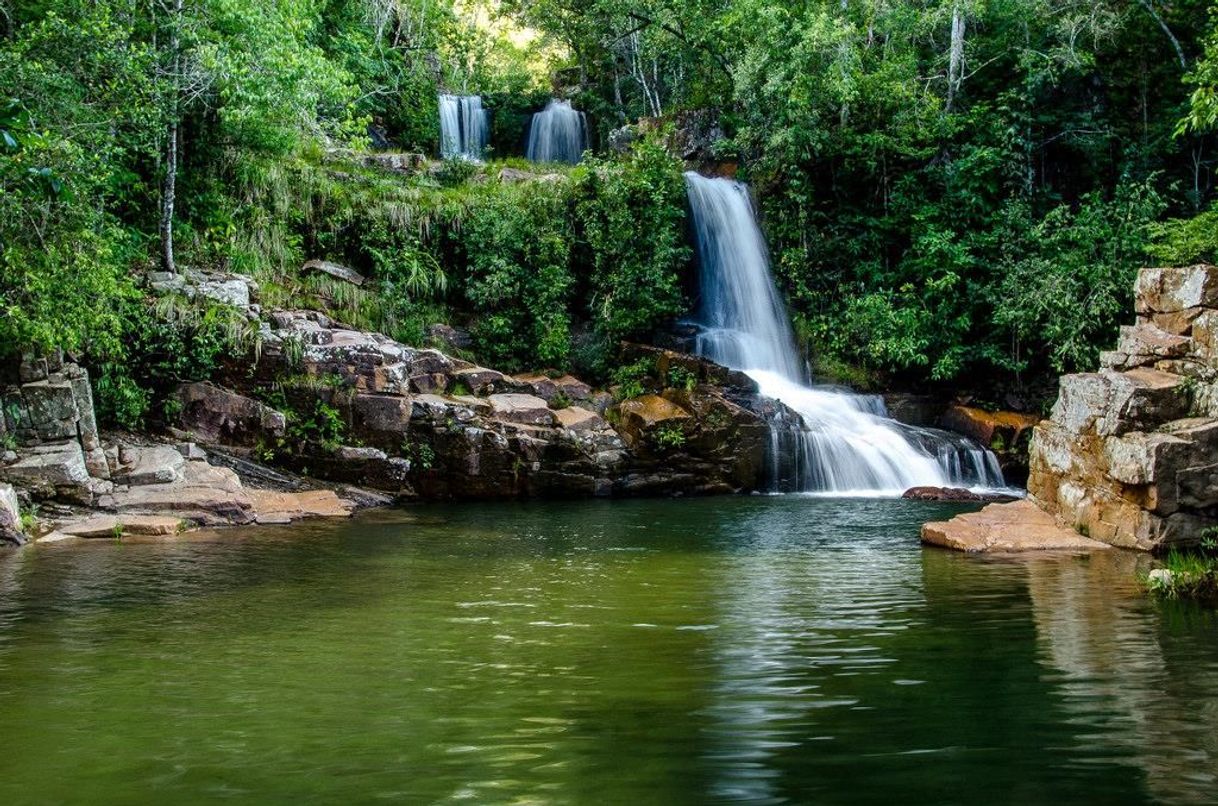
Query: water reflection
755, 650
1130, 683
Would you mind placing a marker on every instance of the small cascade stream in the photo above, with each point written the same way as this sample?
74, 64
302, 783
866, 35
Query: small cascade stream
558, 134
844, 443
464, 127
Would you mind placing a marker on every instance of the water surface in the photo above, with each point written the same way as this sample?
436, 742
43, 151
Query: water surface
756, 649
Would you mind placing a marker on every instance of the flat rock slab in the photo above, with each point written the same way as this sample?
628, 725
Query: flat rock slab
112, 525
271, 506
1007, 528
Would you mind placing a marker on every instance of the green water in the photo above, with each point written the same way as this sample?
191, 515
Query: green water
738, 649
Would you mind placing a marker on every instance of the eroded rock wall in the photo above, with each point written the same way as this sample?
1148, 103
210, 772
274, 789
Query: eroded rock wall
1129, 455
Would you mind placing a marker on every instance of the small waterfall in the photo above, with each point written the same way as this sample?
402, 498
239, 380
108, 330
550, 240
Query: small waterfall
845, 443
464, 127
558, 134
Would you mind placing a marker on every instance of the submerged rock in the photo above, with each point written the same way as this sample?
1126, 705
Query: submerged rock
940, 494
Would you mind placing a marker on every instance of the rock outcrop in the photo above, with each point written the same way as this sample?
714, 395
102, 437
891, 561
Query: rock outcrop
1129, 455
421, 423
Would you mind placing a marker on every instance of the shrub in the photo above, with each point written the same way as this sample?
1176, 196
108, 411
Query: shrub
631, 219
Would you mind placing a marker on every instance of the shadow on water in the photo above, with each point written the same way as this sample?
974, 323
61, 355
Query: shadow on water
732, 649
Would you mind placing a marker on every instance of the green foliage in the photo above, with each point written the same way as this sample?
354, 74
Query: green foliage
632, 379
1189, 574
668, 437
323, 425
1071, 275
682, 378
631, 215
421, 455
1184, 241
518, 243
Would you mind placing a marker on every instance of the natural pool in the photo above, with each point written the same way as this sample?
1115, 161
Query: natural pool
776, 649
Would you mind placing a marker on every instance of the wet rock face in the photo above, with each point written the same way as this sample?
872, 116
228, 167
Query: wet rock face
1129, 455
1006, 433
442, 427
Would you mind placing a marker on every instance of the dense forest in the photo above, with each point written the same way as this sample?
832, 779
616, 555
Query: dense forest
953, 191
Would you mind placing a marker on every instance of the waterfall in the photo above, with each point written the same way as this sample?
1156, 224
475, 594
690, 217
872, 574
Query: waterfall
844, 442
558, 134
464, 127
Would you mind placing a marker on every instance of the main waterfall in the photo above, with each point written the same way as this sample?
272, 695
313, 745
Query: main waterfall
464, 127
558, 134
845, 443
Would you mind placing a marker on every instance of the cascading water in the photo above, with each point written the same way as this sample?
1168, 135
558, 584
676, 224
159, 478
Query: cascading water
558, 134
844, 443
464, 127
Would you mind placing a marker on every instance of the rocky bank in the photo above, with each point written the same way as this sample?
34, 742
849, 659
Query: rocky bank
329, 417
1129, 455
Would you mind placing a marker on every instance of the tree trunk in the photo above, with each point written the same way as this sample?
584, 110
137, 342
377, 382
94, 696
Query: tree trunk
173, 135
168, 194
955, 56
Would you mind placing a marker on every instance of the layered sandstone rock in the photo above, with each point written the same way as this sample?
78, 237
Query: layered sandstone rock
1129, 455
442, 427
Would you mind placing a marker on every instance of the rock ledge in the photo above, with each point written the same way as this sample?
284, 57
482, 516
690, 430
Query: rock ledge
1000, 528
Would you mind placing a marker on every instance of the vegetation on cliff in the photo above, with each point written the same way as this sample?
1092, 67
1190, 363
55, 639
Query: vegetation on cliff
950, 189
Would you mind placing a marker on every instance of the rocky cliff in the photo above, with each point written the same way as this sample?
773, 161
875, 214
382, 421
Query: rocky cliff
1129, 455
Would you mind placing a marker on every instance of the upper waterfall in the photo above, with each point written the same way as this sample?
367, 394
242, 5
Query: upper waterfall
558, 134
845, 442
464, 127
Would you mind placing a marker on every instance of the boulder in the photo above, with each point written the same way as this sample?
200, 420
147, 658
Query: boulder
1019, 526
518, 408
940, 494
380, 418
349, 453
990, 428
10, 517
153, 464
51, 407
638, 417
218, 416
1168, 290
335, 270
575, 418
206, 494
1143, 345
1177, 323
449, 337
49, 467
479, 380
551, 390
913, 409
1205, 338
1108, 403
231, 290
